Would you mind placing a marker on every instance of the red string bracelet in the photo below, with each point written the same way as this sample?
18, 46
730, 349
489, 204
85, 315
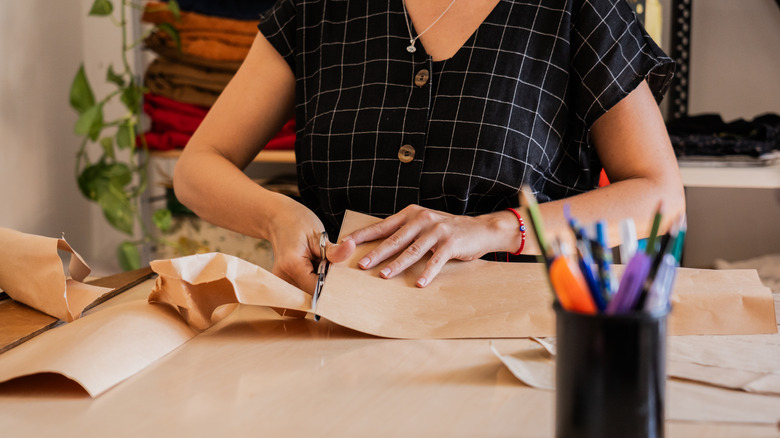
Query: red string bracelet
522, 230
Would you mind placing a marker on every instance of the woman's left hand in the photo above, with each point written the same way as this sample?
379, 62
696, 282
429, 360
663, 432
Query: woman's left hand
414, 231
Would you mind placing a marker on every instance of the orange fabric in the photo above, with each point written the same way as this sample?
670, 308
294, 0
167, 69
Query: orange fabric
216, 38
157, 13
603, 181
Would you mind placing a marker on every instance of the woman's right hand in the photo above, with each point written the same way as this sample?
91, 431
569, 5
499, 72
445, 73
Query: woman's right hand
294, 233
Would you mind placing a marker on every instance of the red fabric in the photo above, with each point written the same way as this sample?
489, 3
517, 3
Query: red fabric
285, 138
173, 123
167, 120
165, 141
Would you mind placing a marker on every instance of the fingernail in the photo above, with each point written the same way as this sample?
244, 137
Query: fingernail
385, 272
346, 238
364, 262
422, 281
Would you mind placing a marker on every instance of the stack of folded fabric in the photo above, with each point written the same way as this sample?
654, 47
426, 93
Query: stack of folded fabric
183, 83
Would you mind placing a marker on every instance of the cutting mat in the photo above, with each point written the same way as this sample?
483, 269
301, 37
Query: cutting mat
19, 323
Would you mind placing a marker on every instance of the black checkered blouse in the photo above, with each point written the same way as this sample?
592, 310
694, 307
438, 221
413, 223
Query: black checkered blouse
380, 128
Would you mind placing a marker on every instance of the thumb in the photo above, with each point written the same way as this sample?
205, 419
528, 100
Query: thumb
342, 251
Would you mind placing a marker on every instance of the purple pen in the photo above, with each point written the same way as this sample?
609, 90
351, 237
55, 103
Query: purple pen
660, 291
631, 284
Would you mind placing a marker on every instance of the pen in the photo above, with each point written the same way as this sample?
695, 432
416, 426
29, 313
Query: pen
529, 201
604, 259
570, 287
679, 242
628, 243
654, 230
631, 284
658, 297
585, 259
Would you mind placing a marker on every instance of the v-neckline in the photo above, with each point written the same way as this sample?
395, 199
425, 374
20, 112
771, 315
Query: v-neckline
468, 41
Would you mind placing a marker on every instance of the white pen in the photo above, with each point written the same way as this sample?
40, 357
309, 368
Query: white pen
628, 242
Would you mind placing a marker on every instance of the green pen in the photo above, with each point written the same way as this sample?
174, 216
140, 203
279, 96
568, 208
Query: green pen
529, 201
654, 230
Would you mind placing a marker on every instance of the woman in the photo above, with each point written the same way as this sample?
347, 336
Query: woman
432, 114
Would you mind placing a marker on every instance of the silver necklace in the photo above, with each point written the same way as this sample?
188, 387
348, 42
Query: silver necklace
412, 40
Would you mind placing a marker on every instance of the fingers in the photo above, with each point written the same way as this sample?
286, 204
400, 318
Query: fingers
379, 230
297, 272
413, 252
432, 269
394, 243
339, 253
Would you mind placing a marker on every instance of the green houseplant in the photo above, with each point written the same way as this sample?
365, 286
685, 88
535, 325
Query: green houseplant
112, 159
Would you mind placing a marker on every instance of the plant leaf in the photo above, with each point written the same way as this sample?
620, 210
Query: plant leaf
107, 143
125, 135
171, 32
162, 219
129, 256
101, 8
105, 183
90, 122
173, 6
131, 97
117, 209
81, 96
114, 77
95, 178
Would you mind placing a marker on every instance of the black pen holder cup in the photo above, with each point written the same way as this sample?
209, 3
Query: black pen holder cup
610, 375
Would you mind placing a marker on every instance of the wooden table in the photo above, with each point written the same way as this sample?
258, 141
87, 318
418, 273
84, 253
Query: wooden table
253, 374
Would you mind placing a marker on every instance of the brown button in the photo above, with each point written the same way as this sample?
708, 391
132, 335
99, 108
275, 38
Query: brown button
421, 78
406, 153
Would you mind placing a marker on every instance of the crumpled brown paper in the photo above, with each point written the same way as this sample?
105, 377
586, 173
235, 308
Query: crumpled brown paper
204, 288
31, 272
476, 299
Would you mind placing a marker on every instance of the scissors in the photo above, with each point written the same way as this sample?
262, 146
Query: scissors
322, 271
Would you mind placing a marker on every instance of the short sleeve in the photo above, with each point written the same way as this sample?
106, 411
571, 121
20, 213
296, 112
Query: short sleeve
278, 26
611, 55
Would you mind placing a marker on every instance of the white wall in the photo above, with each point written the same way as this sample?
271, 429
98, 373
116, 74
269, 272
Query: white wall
735, 58
42, 43
735, 71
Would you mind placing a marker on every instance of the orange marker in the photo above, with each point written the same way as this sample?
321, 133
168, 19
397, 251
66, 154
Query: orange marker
570, 286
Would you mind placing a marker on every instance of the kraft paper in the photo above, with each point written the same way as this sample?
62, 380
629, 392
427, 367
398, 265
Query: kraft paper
31, 272
476, 299
695, 392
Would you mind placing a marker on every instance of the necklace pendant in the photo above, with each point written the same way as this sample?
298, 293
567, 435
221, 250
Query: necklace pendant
410, 48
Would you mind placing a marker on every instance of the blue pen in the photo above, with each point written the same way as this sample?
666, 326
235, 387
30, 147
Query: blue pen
604, 257
585, 259
586, 266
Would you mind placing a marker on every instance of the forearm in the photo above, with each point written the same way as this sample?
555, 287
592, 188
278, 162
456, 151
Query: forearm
633, 145
227, 197
635, 198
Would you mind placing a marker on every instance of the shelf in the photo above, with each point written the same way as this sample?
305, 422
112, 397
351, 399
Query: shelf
269, 156
765, 177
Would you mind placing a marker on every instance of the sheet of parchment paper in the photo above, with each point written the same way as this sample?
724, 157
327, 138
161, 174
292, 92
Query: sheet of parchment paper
31, 272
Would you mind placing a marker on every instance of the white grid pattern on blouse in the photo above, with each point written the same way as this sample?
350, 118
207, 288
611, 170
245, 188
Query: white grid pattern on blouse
513, 105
